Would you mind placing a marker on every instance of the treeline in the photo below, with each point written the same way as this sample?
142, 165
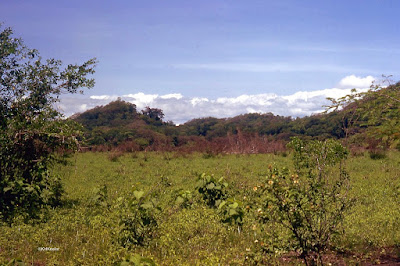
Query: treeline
120, 124
278, 127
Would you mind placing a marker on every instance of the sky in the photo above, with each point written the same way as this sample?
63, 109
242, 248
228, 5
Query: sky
216, 58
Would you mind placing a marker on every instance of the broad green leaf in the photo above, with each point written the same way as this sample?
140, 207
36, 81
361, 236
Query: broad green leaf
138, 194
210, 186
234, 205
179, 200
147, 205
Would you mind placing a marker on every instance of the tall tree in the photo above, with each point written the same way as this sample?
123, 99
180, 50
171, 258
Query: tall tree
31, 128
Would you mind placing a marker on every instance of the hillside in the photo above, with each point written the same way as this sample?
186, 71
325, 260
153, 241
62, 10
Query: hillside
119, 123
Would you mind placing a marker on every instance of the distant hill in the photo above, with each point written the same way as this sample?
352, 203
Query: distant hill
120, 122
280, 127
114, 114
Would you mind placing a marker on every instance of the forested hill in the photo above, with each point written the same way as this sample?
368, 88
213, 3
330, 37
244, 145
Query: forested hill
280, 127
120, 122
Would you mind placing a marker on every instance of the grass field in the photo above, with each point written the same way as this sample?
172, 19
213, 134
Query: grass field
87, 229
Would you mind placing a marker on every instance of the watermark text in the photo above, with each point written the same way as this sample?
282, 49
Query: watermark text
47, 249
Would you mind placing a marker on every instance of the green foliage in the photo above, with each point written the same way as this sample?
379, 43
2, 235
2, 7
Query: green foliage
314, 157
213, 190
376, 111
120, 122
381, 109
184, 198
100, 197
138, 219
31, 129
137, 260
232, 212
311, 203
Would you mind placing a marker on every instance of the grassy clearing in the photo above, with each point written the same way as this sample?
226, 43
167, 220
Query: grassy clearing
86, 232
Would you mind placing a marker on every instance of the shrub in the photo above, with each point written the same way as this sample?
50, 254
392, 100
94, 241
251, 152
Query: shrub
310, 203
100, 197
184, 198
377, 154
232, 212
213, 190
138, 220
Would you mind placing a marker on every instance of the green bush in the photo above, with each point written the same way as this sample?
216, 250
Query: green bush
377, 154
213, 190
310, 203
99, 197
232, 212
31, 129
184, 198
138, 219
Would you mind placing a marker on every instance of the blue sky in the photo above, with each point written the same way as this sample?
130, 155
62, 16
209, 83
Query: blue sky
156, 52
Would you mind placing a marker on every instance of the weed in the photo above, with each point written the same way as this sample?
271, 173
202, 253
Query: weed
138, 219
377, 154
213, 190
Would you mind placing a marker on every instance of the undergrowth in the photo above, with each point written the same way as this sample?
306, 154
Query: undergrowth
86, 228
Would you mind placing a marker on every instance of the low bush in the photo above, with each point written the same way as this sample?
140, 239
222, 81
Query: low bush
138, 219
213, 190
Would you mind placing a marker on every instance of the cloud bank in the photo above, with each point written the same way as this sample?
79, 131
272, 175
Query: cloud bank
179, 109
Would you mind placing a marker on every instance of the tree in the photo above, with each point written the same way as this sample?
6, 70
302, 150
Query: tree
32, 130
153, 113
377, 110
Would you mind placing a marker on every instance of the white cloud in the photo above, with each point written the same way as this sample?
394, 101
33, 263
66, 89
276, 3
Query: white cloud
195, 101
103, 97
353, 81
171, 96
310, 95
140, 99
180, 109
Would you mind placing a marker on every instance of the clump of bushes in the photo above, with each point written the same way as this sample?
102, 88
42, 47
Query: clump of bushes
310, 203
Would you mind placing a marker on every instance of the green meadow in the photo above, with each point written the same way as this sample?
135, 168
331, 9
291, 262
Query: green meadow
99, 187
